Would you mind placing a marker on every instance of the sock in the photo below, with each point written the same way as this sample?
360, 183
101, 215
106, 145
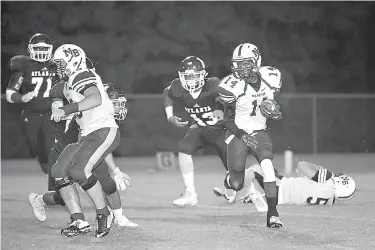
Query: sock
117, 212
104, 211
77, 216
270, 191
187, 171
268, 170
39, 199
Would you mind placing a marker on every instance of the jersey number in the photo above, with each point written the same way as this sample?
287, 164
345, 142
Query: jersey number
255, 105
205, 119
317, 201
38, 81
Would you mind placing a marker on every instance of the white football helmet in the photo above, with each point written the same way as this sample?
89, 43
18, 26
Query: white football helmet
344, 187
69, 58
246, 61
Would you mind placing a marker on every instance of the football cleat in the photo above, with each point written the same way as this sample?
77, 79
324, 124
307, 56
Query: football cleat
122, 221
104, 224
187, 199
274, 222
230, 198
38, 209
75, 228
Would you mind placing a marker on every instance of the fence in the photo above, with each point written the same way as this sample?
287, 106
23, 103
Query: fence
313, 123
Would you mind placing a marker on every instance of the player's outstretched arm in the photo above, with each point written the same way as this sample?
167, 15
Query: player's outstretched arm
168, 105
12, 92
307, 169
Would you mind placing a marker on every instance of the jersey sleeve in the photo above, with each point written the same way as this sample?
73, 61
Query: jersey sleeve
322, 175
83, 81
174, 90
16, 66
272, 77
229, 89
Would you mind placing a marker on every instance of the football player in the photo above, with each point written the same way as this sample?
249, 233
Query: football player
99, 136
30, 84
248, 93
199, 96
314, 186
67, 134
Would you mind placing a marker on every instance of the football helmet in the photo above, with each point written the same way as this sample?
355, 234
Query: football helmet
246, 61
344, 186
40, 47
192, 73
118, 100
69, 59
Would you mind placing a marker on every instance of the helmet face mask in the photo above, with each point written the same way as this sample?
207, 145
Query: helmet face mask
192, 73
69, 58
40, 47
246, 61
118, 101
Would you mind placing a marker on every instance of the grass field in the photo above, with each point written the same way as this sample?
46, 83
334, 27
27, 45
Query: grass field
211, 225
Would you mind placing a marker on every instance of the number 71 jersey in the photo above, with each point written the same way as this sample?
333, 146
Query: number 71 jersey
247, 100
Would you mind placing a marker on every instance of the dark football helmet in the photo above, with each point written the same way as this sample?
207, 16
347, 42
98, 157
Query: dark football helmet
192, 73
40, 47
118, 99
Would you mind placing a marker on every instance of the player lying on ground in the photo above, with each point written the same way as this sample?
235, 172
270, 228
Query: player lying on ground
315, 186
66, 136
198, 95
249, 96
30, 84
99, 136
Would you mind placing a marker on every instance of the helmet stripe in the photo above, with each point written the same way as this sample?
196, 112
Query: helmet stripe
240, 50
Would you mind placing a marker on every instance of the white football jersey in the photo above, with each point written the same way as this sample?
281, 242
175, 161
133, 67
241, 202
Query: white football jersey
96, 118
247, 113
304, 191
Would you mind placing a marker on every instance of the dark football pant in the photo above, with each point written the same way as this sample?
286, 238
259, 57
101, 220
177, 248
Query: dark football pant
237, 156
40, 132
198, 137
79, 160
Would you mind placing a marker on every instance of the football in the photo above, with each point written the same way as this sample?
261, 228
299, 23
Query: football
270, 109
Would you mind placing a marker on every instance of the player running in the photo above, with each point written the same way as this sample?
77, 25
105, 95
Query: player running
30, 84
315, 186
99, 136
68, 135
248, 93
199, 96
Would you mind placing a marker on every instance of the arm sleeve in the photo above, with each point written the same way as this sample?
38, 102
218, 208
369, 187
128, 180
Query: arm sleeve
322, 175
230, 125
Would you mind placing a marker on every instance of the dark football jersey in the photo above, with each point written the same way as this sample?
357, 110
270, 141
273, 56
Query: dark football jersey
202, 108
37, 78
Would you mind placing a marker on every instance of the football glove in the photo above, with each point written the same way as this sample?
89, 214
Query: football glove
271, 109
121, 179
249, 140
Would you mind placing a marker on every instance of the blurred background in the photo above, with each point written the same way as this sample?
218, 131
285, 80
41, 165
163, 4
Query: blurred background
324, 50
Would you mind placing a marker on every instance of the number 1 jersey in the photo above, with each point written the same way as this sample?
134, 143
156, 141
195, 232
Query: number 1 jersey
247, 100
202, 108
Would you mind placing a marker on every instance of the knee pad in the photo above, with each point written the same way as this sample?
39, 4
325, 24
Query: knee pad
89, 183
58, 199
108, 185
264, 153
64, 182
